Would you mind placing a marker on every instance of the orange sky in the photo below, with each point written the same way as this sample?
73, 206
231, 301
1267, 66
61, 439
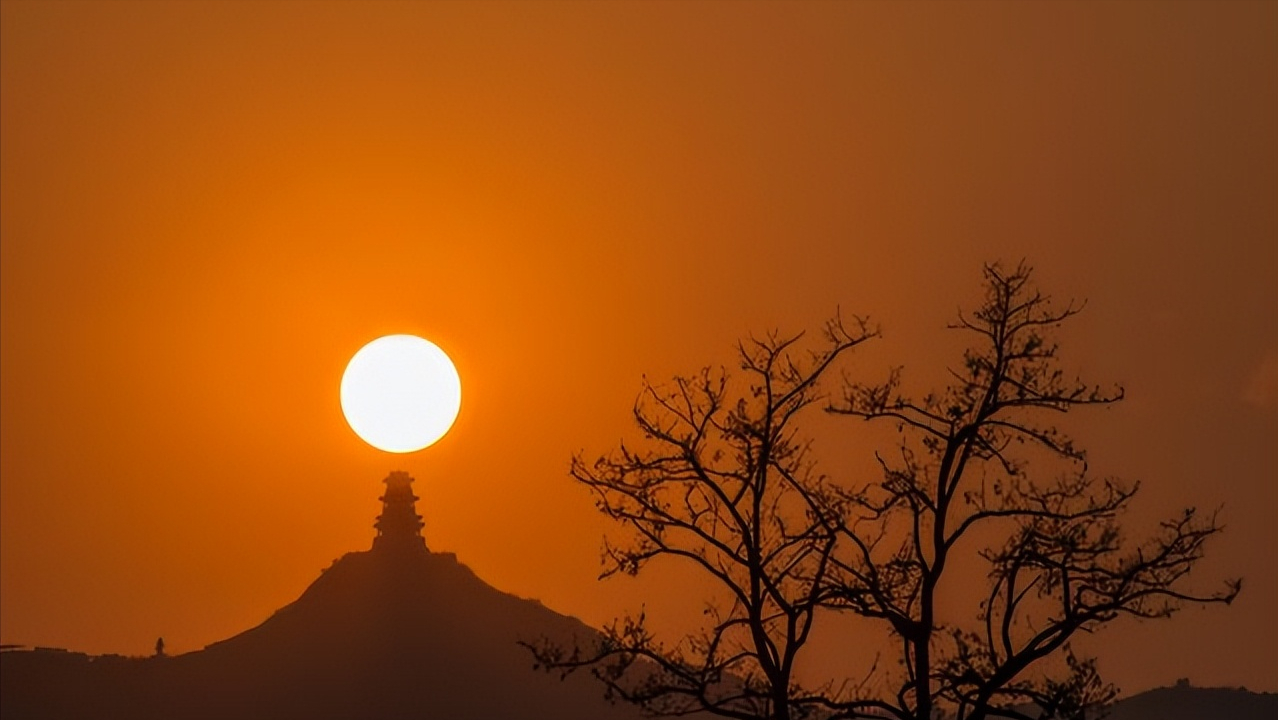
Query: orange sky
208, 208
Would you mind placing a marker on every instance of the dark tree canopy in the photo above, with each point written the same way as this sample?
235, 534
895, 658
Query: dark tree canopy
724, 479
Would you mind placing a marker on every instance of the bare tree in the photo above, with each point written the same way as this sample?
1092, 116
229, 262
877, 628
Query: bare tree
722, 481
981, 463
725, 481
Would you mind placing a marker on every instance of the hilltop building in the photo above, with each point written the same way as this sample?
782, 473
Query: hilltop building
399, 527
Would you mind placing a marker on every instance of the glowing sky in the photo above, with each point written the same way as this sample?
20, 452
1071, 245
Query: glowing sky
206, 209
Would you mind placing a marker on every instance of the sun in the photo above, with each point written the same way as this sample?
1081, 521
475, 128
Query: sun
400, 393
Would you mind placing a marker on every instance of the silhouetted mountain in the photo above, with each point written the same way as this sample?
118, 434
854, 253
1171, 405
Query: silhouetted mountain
394, 632
378, 635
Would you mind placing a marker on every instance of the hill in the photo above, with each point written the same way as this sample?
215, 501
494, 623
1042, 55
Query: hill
1185, 702
378, 635
393, 632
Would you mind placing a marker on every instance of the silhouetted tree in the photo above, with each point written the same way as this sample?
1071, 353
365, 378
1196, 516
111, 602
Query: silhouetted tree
724, 482
980, 463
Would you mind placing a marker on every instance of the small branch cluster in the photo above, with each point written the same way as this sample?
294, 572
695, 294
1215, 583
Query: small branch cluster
725, 482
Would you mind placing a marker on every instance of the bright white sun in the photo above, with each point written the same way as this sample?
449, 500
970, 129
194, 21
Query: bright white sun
400, 393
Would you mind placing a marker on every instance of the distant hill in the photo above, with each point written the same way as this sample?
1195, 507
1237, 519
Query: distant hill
1185, 702
380, 634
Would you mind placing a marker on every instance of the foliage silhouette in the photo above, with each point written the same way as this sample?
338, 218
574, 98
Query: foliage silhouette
726, 481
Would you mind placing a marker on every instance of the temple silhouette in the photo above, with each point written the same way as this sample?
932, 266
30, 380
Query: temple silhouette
399, 527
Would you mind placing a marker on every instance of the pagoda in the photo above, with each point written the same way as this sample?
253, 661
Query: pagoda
399, 527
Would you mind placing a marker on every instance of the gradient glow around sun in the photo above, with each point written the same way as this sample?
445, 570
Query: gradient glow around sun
400, 393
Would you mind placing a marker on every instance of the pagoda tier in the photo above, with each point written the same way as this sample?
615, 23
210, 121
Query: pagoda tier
399, 526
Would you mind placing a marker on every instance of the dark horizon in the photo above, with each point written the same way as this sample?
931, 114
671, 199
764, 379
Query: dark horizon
393, 630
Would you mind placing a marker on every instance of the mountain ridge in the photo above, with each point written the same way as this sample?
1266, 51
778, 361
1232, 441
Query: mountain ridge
398, 632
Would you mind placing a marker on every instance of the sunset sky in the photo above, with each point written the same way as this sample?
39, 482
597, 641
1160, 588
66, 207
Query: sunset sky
207, 208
